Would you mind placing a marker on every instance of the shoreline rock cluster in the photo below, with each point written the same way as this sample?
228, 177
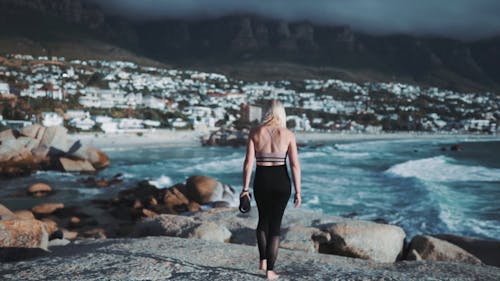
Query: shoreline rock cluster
226, 137
36, 147
204, 208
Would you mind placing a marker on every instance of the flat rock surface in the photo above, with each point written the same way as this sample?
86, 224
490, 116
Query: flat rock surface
170, 258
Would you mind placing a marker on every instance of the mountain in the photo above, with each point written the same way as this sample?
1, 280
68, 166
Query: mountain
248, 46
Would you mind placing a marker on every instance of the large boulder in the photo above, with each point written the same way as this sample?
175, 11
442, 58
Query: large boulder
82, 166
204, 190
6, 214
181, 226
22, 238
39, 189
431, 248
303, 238
211, 231
56, 139
30, 131
20, 164
487, 250
47, 208
23, 234
201, 188
363, 239
7, 135
24, 215
176, 201
97, 158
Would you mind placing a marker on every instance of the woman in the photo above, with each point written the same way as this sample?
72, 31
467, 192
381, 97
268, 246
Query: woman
270, 143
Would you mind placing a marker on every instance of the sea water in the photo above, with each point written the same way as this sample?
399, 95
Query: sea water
420, 185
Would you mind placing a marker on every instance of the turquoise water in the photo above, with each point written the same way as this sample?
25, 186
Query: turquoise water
410, 183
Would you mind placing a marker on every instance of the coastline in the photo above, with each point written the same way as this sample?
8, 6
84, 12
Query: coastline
147, 139
187, 138
353, 136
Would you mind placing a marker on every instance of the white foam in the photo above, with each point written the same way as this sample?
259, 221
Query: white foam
161, 182
443, 169
311, 154
216, 165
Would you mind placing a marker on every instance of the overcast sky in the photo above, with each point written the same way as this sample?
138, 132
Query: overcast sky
463, 19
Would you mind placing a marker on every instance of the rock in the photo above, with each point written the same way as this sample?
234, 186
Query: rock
7, 135
30, 131
166, 225
456, 147
41, 133
50, 225
203, 189
175, 201
24, 215
97, 158
413, 255
75, 222
82, 166
10, 149
171, 258
23, 234
21, 163
6, 214
487, 250
58, 242
430, 248
149, 213
200, 188
96, 233
40, 154
58, 234
366, 240
211, 231
181, 226
55, 138
39, 190
46, 208
302, 238
70, 235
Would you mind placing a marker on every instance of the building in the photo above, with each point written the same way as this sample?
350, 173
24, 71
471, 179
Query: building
51, 119
4, 88
251, 113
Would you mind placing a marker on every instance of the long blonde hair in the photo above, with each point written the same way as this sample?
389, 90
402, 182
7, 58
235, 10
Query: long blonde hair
275, 114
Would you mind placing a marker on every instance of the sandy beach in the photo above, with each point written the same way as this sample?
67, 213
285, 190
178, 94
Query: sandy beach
186, 138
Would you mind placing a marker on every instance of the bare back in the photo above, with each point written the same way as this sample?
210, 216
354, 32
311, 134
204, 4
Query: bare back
271, 142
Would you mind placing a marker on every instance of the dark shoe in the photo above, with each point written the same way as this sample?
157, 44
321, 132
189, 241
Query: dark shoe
245, 203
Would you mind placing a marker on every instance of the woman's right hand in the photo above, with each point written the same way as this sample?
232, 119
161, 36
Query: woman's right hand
297, 200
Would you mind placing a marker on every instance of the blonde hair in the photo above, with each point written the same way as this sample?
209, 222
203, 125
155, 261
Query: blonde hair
275, 114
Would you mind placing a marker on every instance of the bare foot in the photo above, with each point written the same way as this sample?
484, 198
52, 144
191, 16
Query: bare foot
263, 265
271, 275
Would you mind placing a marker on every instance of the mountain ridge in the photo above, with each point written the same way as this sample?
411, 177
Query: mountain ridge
235, 43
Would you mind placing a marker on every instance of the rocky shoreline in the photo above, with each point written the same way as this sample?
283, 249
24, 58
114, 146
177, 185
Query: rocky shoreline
203, 209
36, 147
171, 258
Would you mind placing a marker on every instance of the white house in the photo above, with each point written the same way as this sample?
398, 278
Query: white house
154, 103
4, 88
84, 124
51, 119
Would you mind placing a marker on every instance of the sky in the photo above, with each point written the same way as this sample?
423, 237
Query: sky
459, 19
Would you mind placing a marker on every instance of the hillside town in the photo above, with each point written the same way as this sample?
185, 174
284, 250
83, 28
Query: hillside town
117, 96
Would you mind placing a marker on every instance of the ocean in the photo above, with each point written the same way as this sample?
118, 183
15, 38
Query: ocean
418, 184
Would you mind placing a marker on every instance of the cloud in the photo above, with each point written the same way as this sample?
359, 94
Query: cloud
462, 19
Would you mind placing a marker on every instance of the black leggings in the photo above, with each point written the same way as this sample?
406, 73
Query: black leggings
272, 189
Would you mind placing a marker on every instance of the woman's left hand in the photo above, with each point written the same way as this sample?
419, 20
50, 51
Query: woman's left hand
245, 193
